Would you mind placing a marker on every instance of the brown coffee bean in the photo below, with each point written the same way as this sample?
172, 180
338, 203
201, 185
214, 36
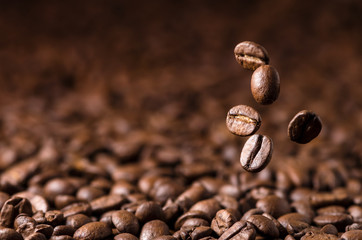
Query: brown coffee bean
243, 120
21, 219
191, 214
340, 221
265, 84
154, 229
9, 234
125, 222
251, 55
12, 208
356, 213
61, 237
322, 199
195, 222
239, 230
256, 153
264, 225
352, 235
77, 220
26, 229
58, 186
274, 205
93, 231
222, 221
148, 211
165, 237
304, 127
201, 232
63, 230
354, 226
331, 210
253, 211
191, 195
54, 217
61, 201
294, 222
36, 236
88, 193
45, 229
318, 236
125, 236
207, 206
107, 203
329, 229
282, 231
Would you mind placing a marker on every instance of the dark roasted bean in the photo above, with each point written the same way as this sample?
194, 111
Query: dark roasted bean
239, 230
148, 211
222, 221
77, 220
13, 207
45, 229
9, 234
251, 55
191, 214
274, 205
54, 217
88, 193
317, 236
256, 153
208, 206
243, 120
107, 203
265, 84
125, 222
264, 225
340, 220
329, 229
63, 230
93, 231
154, 228
352, 235
125, 236
304, 127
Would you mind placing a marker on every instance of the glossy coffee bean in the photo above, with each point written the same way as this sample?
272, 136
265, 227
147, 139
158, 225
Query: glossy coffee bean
125, 222
304, 127
274, 205
243, 120
154, 228
222, 221
352, 235
9, 234
148, 211
125, 236
77, 220
340, 221
256, 153
93, 231
251, 55
239, 230
265, 84
264, 225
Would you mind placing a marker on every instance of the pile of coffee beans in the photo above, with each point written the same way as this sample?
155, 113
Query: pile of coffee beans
243, 120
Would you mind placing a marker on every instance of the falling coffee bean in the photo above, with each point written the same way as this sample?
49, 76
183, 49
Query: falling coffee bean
243, 120
304, 127
265, 84
251, 55
256, 153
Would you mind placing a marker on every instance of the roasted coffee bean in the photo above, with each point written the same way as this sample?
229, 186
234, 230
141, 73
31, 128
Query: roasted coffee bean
93, 231
58, 186
229, 203
107, 203
61, 201
63, 230
264, 225
26, 229
13, 207
88, 193
304, 127
239, 230
274, 205
54, 217
77, 220
251, 55
45, 229
222, 221
282, 231
256, 153
9, 234
207, 206
340, 221
36, 236
165, 237
125, 236
352, 235
148, 211
354, 226
21, 219
243, 120
253, 211
154, 228
356, 213
331, 210
317, 236
322, 199
191, 214
125, 222
294, 222
265, 84
61, 237
303, 207
329, 229
195, 222
201, 232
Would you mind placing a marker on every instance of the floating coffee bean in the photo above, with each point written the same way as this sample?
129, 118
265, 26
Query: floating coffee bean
304, 127
265, 84
251, 55
243, 120
256, 153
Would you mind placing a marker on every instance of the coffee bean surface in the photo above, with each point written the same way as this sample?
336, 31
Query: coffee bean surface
265, 84
251, 55
304, 127
243, 120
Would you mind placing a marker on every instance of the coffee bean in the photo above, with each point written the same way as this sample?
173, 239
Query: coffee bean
243, 120
195, 222
356, 213
88, 193
61, 201
294, 222
125, 236
125, 222
23, 218
36, 236
352, 235
329, 229
77, 220
251, 55
274, 205
93, 231
154, 228
256, 153
63, 230
340, 221
106, 203
45, 229
9, 234
201, 232
61, 237
54, 217
13, 207
331, 210
318, 236
265, 84
304, 127
148, 211
354, 226
282, 231
58, 186
207, 206
264, 225
239, 230
191, 214
165, 237
222, 221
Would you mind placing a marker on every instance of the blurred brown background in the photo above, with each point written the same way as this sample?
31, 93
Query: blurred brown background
152, 57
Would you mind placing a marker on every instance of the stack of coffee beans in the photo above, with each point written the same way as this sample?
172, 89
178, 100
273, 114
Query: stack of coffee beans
244, 121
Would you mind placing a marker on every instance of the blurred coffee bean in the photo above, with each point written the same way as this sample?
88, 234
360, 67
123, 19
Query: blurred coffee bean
356, 213
195, 222
77, 220
125, 222
9, 234
274, 205
44, 229
61, 237
36, 236
208, 206
88, 193
3, 197
191, 214
256, 153
251, 55
62, 201
313, 235
331, 210
93, 231
63, 230
54, 217
354, 226
340, 221
330, 229
352, 235
106, 203
243, 120
304, 127
13, 207
148, 211
58, 186
265, 84
152, 229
